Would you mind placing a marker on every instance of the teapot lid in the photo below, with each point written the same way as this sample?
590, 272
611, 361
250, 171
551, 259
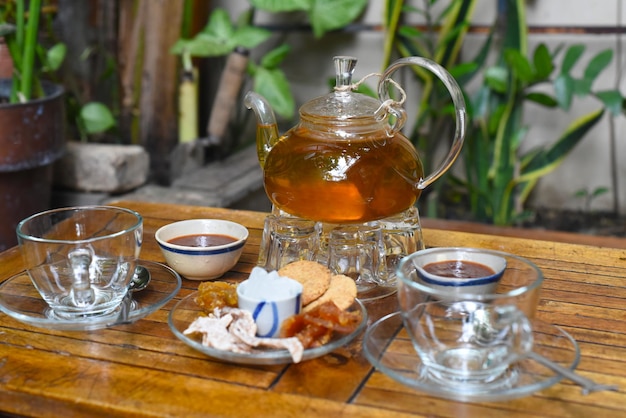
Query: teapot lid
342, 103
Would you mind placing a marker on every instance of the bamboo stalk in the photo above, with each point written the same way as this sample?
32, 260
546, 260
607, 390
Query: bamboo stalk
30, 41
188, 106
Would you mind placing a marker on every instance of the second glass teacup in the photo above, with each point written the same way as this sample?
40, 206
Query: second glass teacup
469, 340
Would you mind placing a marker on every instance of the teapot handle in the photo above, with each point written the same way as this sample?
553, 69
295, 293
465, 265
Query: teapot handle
457, 99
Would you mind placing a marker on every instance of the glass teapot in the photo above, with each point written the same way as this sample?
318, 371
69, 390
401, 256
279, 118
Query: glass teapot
346, 161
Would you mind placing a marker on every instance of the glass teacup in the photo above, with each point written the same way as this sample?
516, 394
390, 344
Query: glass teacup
81, 259
470, 338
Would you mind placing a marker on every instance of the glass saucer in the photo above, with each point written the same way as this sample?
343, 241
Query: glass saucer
375, 292
186, 311
388, 347
20, 300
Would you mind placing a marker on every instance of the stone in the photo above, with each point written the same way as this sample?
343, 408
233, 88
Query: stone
235, 182
110, 168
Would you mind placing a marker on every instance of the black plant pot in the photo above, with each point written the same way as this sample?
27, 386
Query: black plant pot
32, 137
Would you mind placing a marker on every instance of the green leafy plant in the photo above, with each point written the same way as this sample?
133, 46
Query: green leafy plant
220, 37
323, 15
589, 196
499, 83
22, 41
20, 22
499, 176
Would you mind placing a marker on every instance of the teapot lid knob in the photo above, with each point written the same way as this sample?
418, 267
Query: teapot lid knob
343, 103
344, 67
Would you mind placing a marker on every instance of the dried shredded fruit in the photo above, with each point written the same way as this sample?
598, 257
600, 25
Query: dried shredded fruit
233, 329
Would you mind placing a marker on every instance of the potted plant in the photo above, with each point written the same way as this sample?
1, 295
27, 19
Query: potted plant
32, 116
507, 77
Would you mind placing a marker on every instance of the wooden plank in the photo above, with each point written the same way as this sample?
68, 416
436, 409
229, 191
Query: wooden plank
103, 388
561, 400
537, 234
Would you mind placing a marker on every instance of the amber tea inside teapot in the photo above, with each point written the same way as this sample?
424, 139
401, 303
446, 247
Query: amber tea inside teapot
347, 161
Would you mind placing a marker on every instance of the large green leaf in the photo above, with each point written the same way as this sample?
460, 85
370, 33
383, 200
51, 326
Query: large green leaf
564, 90
219, 37
598, 64
504, 161
547, 160
520, 65
392, 15
481, 103
495, 117
572, 55
326, 15
96, 117
612, 99
273, 85
203, 46
219, 25
410, 32
479, 61
282, 5
581, 86
55, 56
215, 39
274, 57
497, 78
542, 99
515, 29
463, 69
542, 60
250, 36
452, 34
478, 184
518, 137
529, 156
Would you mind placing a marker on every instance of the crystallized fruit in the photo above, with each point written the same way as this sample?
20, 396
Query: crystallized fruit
315, 328
213, 295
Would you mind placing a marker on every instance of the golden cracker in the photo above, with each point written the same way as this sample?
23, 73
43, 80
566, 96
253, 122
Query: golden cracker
314, 277
342, 292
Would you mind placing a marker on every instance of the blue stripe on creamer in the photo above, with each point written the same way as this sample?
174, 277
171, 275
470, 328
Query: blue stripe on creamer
208, 251
275, 324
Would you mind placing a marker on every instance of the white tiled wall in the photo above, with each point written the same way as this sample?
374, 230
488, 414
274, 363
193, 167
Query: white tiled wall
310, 65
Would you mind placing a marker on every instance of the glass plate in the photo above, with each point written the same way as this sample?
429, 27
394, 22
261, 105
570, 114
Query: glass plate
186, 311
19, 299
388, 347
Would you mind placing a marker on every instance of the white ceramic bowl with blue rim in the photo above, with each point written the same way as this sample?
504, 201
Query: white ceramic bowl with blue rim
202, 263
475, 285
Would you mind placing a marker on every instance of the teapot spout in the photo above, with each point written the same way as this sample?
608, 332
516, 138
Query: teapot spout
267, 128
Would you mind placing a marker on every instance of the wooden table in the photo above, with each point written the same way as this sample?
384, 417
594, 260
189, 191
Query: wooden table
142, 369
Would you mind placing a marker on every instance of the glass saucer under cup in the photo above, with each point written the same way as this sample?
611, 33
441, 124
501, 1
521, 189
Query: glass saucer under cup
387, 347
20, 300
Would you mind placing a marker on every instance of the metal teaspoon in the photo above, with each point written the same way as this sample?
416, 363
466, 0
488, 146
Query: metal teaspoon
483, 327
140, 281
588, 385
